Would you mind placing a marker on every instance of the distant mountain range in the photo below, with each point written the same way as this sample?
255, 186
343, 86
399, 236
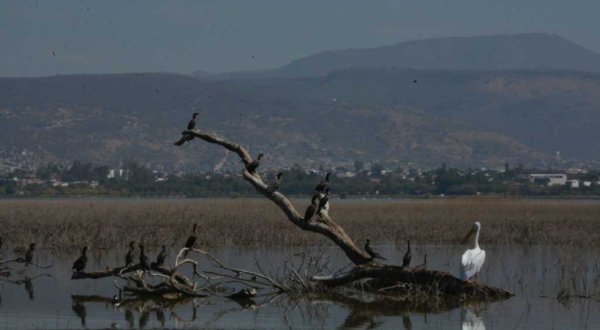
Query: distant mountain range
397, 116
500, 53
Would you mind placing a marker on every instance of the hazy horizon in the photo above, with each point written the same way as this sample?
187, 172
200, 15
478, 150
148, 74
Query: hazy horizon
69, 37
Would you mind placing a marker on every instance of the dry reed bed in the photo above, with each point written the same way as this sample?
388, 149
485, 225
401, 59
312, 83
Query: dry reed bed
61, 225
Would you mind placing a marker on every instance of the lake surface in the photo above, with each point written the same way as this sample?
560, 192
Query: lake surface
537, 275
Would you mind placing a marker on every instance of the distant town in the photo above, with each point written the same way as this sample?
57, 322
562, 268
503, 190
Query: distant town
133, 179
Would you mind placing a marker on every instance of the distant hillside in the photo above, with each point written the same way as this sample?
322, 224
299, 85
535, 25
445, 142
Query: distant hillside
547, 111
502, 52
109, 118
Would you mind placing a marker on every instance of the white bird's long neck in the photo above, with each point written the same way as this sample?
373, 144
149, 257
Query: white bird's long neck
475, 244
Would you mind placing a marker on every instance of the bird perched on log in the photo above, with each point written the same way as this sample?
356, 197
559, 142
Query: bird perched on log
321, 186
472, 260
371, 252
30, 253
274, 186
144, 261
160, 258
186, 137
129, 255
312, 208
407, 256
189, 244
253, 165
324, 204
81, 262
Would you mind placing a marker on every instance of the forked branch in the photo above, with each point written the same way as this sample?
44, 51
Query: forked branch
327, 228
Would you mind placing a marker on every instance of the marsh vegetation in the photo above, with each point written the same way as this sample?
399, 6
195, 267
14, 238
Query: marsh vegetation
62, 226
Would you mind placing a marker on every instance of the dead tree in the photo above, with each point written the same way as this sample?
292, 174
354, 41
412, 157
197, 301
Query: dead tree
365, 267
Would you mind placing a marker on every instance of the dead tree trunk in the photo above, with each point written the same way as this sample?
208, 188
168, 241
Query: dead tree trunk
328, 228
388, 276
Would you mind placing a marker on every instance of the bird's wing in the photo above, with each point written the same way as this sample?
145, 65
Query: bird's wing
478, 260
467, 269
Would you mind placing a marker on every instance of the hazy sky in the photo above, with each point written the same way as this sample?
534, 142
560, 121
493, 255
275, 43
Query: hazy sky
220, 35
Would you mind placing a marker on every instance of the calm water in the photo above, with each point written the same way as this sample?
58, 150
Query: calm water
34, 299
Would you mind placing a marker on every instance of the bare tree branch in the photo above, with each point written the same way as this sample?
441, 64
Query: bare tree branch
327, 227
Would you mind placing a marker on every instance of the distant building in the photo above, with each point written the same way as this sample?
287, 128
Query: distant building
552, 179
574, 183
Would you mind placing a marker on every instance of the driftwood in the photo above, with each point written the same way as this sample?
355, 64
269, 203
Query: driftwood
173, 284
387, 277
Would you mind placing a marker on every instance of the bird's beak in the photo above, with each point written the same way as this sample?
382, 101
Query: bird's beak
468, 236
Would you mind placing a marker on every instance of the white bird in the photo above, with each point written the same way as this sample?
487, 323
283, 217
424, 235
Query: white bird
473, 258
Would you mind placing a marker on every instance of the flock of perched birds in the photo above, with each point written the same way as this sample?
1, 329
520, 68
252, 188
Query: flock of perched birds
471, 262
472, 259
143, 260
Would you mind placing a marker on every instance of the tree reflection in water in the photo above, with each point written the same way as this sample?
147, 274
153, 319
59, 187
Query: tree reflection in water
364, 311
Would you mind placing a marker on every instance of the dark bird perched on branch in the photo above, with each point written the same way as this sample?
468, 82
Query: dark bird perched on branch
186, 137
160, 258
144, 261
373, 254
191, 240
80, 263
324, 203
129, 255
274, 186
253, 165
312, 208
407, 256
30, 253
321, 186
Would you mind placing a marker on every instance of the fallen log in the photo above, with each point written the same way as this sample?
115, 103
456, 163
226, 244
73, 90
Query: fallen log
390, 279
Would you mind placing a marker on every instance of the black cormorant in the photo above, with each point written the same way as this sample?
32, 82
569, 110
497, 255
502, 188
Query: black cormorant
129, 255
321, 186
144, 261
324, 203
191, 240
30, 253
160, 258
253, 165
186, 137
192, 122
274, 186
312, 208
79, 264
407, 256
373, 254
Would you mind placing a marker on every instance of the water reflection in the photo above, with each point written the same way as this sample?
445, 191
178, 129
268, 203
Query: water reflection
27, 283
365, 311
471, 320
53, 301
143, 307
